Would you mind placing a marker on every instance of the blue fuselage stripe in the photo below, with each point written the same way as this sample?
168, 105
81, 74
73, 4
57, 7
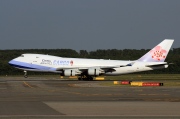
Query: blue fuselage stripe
24, 65
19, 66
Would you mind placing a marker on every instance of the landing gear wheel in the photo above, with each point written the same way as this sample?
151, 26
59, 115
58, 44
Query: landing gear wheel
80, 79
85, 78
90, 78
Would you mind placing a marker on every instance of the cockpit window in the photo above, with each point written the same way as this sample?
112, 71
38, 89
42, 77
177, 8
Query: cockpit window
22, 56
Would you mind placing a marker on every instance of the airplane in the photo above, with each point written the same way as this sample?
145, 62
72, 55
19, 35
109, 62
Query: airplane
86, 69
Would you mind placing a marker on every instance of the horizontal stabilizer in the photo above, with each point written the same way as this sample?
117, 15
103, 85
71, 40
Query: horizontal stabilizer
156, 64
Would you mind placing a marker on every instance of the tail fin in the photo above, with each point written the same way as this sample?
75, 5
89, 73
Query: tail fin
158, 53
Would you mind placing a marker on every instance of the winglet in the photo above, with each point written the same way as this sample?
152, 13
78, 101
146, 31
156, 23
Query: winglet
158, 53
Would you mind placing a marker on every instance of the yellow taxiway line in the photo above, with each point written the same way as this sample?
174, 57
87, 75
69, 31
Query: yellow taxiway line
27, 84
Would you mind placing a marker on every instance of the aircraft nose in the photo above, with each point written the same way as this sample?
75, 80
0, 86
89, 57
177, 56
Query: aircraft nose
11, 62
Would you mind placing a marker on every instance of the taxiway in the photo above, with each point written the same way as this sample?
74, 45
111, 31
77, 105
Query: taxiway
53, 98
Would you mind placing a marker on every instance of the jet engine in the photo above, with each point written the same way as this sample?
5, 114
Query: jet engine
70, 72
95, 71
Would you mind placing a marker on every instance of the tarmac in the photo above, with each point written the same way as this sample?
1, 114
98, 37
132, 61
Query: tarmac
39, 97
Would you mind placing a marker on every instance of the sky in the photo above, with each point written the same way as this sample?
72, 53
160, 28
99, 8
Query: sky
88, 24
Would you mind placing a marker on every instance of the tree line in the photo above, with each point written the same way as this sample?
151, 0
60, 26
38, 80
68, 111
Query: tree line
113, 54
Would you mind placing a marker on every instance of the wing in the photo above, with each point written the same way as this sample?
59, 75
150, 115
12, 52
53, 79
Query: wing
101, 69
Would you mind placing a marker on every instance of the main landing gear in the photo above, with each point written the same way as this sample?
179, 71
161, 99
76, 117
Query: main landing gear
85, 78
25, 74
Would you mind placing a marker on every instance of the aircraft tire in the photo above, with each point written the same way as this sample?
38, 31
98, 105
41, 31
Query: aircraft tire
80, 79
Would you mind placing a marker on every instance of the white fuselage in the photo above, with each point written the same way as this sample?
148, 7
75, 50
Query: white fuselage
48, 63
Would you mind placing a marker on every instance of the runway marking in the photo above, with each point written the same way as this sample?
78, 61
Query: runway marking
152, 94
27, 84
157, 99
83, 94
77, 93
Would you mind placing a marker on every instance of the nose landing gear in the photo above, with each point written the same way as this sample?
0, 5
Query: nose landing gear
25, 74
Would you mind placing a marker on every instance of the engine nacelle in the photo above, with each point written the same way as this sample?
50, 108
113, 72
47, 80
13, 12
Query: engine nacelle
94, 71
70, 72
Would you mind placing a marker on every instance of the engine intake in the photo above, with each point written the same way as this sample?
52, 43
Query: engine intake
71, 72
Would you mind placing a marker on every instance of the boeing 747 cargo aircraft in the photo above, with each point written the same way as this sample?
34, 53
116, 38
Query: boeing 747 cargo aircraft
86, 69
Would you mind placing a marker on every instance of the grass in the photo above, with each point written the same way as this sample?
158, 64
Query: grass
166, 79
165, 83
141, 77
131, 77
172, 83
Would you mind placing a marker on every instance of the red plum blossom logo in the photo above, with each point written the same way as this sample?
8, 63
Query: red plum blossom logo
158, 53
71, 62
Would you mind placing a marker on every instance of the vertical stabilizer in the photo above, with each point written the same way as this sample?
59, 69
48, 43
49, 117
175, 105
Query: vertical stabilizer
158, 53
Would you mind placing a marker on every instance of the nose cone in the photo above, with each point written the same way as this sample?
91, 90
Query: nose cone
12, 63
